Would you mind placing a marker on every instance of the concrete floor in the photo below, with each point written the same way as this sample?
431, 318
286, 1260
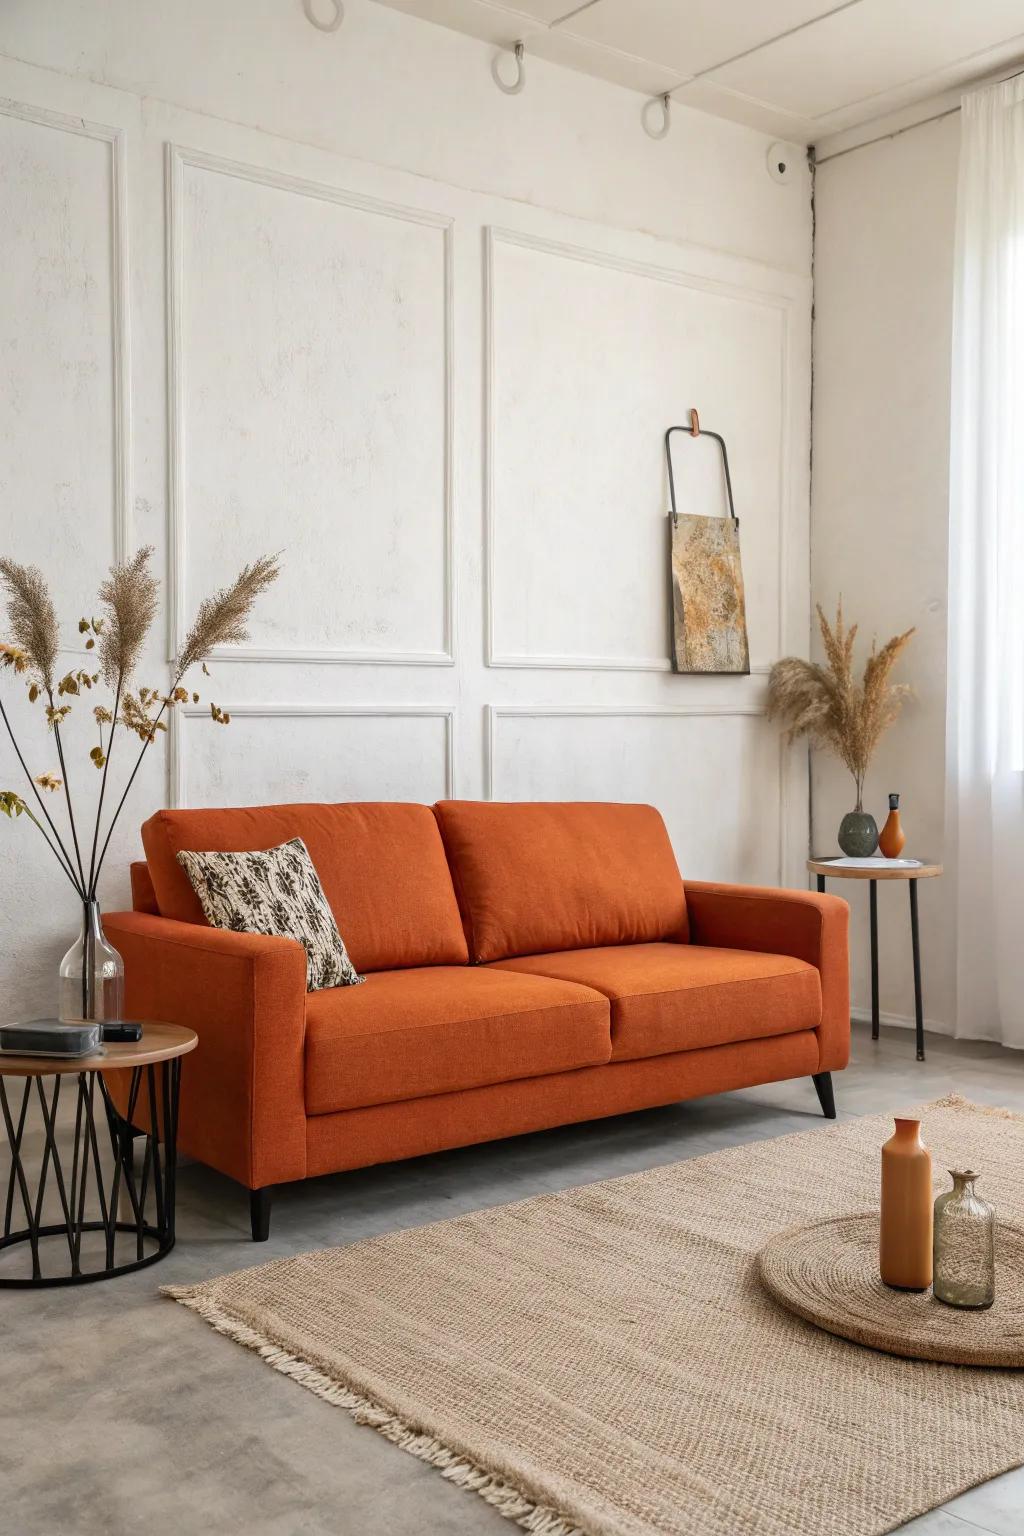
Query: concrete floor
121, 1413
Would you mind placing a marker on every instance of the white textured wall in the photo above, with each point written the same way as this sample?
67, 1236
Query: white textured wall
883, 319
339, 296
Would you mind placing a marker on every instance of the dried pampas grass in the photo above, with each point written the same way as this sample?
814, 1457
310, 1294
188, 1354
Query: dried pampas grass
32, 618
825, 704
129, 595
128, 598
221, 619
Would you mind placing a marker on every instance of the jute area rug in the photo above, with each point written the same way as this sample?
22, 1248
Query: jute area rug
603, 1360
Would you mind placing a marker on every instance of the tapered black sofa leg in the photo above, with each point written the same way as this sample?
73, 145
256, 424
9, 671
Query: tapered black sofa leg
259, 1213
826, 1098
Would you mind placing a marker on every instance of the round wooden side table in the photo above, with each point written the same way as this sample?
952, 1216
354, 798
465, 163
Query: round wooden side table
835, 870
88, 1201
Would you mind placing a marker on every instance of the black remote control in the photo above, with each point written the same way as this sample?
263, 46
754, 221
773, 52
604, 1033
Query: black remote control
126, 1032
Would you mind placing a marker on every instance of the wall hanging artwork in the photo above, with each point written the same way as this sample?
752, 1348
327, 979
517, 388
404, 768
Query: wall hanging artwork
709, 621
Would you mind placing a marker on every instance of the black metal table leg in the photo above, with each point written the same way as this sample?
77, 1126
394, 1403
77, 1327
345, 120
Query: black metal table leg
821, 885
915, 942
88, 1200
873, 903
913, 871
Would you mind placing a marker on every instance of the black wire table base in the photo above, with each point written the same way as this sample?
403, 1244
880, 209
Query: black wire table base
101, 1185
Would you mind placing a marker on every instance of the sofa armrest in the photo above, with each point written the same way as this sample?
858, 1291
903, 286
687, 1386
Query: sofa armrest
243, 1089
808, 926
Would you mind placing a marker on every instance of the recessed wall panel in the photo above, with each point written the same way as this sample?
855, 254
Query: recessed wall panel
591, 360
60, 354
714, 777
311, 398
272, 755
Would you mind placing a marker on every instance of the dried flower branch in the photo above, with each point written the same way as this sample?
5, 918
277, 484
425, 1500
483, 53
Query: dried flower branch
135, 715
13, 806
33, 621
129, 595
74, 682
32, 617
13, 656
825, 704
222, 618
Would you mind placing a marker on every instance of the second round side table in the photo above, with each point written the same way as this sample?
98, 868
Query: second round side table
833, 869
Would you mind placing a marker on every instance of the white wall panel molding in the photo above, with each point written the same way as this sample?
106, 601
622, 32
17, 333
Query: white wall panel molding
177, 766
496, 713
178, 159
120, 306
742, 283
295, 325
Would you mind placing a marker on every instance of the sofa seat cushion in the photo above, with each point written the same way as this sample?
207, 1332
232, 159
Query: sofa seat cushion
677, 997
411, 1033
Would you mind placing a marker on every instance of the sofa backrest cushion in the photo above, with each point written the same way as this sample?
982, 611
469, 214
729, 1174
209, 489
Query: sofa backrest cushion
382, 867
536, 877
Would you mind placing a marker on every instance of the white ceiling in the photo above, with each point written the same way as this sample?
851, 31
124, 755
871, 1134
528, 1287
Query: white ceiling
801, 69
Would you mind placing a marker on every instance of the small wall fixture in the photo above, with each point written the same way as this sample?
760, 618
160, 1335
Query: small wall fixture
517, 84
666, 117
783, 160
335, 20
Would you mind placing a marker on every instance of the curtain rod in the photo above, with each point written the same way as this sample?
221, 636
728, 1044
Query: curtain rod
936, 117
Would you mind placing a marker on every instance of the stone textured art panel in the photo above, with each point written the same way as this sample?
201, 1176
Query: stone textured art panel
708, 610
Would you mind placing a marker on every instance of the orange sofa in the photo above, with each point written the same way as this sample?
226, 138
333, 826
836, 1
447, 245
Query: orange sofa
528, 965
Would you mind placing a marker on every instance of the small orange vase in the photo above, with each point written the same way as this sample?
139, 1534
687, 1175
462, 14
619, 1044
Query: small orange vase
892, 838
905, 1234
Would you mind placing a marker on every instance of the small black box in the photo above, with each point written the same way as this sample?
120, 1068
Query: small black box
125, 1031
50, 1037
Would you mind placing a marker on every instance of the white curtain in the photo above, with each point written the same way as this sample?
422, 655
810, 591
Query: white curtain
985, 720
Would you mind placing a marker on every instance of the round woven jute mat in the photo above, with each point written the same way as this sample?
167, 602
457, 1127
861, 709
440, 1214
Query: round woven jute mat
827, 1273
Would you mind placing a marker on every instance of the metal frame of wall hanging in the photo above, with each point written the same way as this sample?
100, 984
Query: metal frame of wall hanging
325, 26
696, 430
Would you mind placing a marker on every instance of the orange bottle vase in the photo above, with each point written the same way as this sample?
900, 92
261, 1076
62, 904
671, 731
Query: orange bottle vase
905, 1235
892, 838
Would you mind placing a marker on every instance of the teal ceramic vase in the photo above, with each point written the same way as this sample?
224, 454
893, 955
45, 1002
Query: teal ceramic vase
858, 834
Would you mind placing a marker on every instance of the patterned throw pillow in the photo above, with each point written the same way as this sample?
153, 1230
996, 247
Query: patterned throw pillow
275, 891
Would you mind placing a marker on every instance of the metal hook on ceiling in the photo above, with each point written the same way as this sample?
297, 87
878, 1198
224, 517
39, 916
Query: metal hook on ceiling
325, 26
520, 80
666, 117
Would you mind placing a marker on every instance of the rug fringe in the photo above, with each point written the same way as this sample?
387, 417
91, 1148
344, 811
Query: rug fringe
539, 1519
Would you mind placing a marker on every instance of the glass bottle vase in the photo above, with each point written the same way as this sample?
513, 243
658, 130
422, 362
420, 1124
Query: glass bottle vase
91, 974
964, 1271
